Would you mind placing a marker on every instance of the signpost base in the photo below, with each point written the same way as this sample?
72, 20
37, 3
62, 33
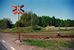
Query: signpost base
18, 41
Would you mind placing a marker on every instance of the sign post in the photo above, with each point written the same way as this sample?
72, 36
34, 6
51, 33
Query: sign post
18, 10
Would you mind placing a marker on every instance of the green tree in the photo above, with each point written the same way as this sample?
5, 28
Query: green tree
29, 19
5, 23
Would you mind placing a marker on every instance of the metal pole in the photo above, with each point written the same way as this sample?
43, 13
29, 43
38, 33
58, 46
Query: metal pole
18, 25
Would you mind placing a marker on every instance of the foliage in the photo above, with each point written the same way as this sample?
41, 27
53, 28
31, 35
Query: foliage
28, 19
31, 19
52, 21
5, 23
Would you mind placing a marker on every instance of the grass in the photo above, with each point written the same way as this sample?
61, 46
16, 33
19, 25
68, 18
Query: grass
51, 44
42, 31
14, 30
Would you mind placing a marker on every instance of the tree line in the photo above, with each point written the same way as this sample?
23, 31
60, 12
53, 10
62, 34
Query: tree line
31, 19
5, 23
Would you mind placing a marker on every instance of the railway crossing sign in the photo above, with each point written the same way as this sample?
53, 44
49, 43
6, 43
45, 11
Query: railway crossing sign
18, 9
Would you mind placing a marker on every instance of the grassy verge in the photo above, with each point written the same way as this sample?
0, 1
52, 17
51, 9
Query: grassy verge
14, 30
42, 31
52, 44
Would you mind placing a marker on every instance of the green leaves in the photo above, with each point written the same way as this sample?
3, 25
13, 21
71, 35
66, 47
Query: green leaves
5, 23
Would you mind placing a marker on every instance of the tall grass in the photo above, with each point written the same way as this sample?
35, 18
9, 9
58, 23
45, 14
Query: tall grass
52, 44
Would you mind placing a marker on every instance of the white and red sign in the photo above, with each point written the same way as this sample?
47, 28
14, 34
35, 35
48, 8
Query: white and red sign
18, 9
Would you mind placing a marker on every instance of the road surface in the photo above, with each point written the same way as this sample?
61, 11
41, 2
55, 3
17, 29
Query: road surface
2, 47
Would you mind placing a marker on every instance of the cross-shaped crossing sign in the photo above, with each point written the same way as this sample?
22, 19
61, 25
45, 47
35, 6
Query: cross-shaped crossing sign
18, 9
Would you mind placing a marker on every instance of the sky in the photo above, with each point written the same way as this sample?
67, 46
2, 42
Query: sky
63, 9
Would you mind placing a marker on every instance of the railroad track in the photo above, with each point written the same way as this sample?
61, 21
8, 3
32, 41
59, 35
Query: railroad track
47, 36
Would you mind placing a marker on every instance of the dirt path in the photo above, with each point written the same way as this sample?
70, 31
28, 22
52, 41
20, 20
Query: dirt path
9, 40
